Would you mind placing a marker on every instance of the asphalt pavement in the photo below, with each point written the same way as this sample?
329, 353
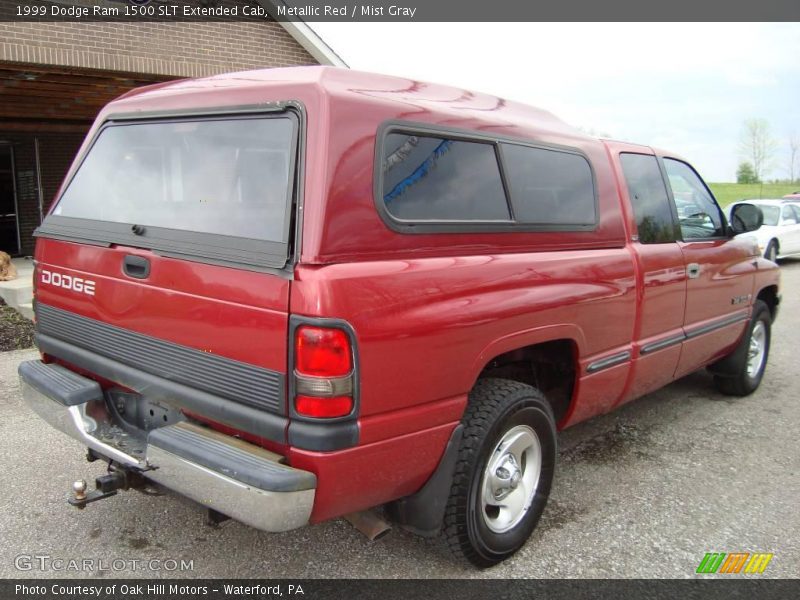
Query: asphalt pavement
643, 492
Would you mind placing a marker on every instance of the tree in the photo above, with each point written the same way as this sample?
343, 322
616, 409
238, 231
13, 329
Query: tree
794, 154
746, 174
757, 146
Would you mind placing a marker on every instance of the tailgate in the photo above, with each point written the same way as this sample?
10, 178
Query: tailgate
162, 267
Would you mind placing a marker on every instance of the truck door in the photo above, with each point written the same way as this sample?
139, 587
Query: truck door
658, 331
719, 269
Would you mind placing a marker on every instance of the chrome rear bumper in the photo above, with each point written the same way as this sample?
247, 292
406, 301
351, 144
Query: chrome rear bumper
233, 477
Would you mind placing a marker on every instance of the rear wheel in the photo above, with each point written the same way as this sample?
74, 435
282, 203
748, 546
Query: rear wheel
751, 355
771, 253
503, 474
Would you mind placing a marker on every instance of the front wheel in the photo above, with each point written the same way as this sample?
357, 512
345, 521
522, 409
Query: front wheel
504, 471
751, 356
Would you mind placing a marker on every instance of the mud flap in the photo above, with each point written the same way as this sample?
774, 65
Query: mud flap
422, 513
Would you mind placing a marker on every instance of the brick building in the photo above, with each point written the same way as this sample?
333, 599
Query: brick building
54, 78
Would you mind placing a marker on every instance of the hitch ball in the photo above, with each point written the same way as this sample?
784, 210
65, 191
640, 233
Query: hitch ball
79, 489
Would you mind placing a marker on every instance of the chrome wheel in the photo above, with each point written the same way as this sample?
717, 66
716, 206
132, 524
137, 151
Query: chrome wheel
510, 478
757, 349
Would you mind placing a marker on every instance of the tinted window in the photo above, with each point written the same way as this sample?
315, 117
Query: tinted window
227, 177
549, 187
698, 213
789, 216
440, 179
648, 194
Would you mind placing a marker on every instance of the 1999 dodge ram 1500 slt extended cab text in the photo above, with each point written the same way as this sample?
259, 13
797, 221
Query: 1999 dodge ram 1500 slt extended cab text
295, 294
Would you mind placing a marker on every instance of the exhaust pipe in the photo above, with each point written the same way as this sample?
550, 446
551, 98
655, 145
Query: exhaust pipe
369, 523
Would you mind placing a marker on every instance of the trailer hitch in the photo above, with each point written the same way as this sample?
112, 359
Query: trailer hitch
106, 486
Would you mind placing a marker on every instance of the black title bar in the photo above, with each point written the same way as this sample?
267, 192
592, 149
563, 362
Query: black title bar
399, 11
382, 589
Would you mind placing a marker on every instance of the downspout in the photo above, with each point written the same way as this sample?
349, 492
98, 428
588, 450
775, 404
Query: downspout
39, 191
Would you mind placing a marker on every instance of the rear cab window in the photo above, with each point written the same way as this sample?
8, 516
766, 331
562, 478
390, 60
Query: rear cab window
652, 209
214, 189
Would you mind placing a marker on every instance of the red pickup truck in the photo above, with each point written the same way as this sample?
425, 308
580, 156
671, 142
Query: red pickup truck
295, 294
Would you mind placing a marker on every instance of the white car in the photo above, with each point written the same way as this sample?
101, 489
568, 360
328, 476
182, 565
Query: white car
779, 236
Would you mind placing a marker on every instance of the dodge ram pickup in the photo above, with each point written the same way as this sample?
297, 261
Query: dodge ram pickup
296, 294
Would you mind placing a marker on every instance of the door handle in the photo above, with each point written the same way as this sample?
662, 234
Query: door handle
693, 270
136, 266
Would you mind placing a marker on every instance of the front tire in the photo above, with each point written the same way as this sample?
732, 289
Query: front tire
750, 356
503, 474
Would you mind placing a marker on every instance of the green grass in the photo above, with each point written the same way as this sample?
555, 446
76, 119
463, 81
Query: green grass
731, 192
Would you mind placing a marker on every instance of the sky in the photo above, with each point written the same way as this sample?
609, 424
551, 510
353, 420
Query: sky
686, 87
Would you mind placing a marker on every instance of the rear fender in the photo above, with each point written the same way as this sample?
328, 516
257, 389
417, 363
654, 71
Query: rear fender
530, 337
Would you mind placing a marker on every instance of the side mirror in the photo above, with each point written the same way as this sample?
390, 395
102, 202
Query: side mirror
746, 217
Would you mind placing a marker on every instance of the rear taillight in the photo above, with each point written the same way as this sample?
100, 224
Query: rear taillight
322, 352
323, 372
323, 408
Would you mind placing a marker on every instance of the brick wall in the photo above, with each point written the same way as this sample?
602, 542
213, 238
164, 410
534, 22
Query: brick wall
176, 49
56, 152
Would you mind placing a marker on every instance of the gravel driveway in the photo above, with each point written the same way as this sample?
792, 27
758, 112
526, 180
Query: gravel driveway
643, 492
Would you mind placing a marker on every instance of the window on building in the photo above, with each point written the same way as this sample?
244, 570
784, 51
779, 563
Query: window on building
648, 195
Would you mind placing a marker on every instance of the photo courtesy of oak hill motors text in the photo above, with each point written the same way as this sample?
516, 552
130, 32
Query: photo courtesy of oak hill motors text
155, 590
351, 11
309, 299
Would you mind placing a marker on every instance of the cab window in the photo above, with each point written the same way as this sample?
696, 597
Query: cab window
648, 196
698, 213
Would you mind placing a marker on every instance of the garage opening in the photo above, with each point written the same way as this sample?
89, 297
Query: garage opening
9, 213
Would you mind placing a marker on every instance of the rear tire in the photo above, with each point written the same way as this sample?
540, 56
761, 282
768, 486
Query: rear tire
751, 355
771, 253
503, 474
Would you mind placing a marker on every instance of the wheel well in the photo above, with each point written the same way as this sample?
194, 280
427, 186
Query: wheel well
549, 367
769, 295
